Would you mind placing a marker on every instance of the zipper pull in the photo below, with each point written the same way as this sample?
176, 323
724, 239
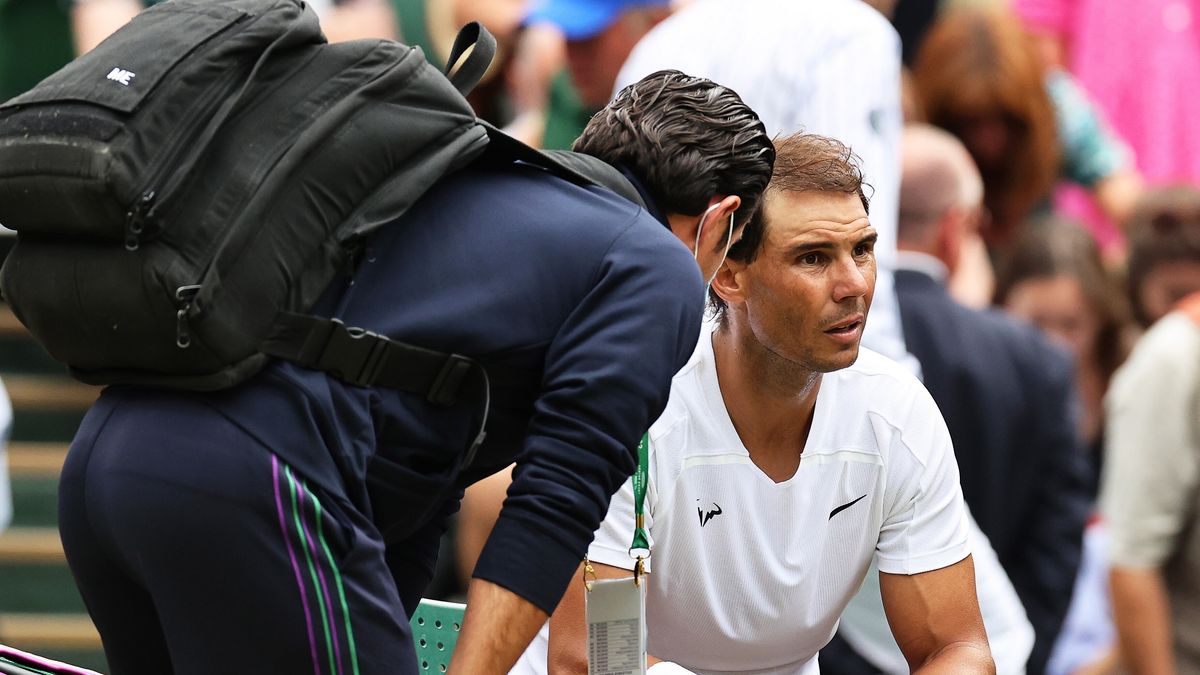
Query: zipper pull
135, 220
184, 294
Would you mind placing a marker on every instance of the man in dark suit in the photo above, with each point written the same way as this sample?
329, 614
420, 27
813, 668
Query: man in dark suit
1006, 394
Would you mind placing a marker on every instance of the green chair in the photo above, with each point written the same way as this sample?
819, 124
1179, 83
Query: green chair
435, 627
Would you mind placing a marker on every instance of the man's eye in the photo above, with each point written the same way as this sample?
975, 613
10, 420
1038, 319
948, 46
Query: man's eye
862, 250
810, 258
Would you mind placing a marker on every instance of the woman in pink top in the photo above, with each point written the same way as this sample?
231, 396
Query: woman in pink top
1140, 62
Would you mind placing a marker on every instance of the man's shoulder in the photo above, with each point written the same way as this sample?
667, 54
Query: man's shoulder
873, 385
872, 369
1169, 349
530, 206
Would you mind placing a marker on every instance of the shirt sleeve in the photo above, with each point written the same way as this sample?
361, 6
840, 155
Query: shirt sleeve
1151, 453
925, 526
1091, 150
607, 376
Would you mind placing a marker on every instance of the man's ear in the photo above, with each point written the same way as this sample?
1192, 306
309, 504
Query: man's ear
951, 234
729, 284
716, 234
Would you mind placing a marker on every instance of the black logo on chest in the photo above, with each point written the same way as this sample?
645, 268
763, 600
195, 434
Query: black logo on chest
707, 515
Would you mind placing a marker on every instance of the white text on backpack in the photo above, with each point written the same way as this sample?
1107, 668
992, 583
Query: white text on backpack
121, 75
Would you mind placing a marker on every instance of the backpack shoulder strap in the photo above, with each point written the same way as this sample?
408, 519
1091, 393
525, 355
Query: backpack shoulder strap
368, 359
575, 167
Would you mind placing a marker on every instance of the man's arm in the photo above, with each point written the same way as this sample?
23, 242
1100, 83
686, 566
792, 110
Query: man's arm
498, 625
1143, 619
935, 619
1151, 472
607, 375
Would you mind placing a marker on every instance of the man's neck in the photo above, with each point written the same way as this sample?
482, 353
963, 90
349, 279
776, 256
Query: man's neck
770, 400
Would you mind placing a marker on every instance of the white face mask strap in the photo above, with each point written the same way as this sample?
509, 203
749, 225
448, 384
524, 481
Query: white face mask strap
700, 229
728, 239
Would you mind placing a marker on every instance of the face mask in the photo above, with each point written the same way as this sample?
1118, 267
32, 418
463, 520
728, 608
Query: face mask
728, 241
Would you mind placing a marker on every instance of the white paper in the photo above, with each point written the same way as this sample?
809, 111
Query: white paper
616, 617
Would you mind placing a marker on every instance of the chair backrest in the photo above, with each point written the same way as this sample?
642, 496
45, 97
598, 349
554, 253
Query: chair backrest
435, 627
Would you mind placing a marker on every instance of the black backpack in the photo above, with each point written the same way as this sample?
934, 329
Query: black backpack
186, 191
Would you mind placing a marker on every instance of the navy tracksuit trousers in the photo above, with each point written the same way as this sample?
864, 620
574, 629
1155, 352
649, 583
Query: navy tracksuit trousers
175, 523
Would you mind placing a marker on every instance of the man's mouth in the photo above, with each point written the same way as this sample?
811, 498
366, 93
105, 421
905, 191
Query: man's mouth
846, 326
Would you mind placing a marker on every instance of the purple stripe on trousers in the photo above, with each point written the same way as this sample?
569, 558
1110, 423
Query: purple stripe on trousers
312, 546
312, 640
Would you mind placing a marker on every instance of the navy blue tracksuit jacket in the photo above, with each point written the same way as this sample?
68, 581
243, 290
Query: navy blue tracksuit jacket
586, 302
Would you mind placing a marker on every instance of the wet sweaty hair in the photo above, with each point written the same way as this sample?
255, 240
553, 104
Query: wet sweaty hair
687, 139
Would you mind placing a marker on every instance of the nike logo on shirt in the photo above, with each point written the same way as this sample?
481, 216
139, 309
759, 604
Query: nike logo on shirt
845, 506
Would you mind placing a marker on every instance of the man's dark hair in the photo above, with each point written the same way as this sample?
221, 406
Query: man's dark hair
1163, 228
803, 163
687, 139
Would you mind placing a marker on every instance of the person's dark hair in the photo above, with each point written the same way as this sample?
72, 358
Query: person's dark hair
1052, 247
687, 139
1163, 228
977, 63
803, 163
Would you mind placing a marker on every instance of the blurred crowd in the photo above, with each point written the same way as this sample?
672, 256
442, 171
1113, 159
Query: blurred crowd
1044, 173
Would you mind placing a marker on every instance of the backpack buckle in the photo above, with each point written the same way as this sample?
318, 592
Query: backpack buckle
444, 390
353, 355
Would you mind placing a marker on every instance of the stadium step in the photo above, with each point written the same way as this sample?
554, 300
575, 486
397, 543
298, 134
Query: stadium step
36, 460
25, 545
40, 632
40, 608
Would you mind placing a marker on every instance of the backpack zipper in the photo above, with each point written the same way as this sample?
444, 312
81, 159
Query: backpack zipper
149, 195
184, 294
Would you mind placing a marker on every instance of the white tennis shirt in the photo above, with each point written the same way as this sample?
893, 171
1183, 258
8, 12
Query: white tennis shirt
751, 576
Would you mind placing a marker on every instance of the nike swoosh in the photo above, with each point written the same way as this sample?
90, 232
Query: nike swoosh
845, 506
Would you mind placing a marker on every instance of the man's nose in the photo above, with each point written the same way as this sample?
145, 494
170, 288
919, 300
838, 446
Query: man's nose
850, 280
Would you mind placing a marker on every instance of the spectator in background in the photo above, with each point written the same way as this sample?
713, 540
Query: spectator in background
1151, 481
94, 20
432, 25
1006, 394
1140, 62
547, 112
1055, 279
566, 63
978, 75
1164, 261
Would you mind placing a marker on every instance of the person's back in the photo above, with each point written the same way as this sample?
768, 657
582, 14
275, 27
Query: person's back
501, 265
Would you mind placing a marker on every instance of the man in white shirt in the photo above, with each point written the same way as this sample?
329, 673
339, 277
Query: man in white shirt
829, 67
785, 462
